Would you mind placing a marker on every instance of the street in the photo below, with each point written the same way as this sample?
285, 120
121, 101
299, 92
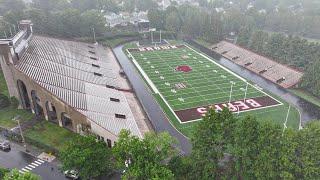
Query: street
24, 162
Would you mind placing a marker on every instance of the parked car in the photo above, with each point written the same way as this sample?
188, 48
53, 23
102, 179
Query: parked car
5, 145
72, 174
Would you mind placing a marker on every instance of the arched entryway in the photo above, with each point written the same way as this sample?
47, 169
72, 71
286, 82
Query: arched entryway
51, 112
36, 104
66, 121
24, 98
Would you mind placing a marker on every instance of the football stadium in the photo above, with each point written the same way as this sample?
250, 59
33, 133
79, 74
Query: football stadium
187, 83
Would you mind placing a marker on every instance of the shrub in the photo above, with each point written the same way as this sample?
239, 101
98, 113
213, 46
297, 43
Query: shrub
4, 101
14, 102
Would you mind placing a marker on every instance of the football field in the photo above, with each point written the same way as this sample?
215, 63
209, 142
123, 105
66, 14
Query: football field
188, 83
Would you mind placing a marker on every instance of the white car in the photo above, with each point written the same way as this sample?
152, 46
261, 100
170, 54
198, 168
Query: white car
72, 174
5, 145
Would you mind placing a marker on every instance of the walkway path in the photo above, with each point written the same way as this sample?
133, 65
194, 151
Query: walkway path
157, 117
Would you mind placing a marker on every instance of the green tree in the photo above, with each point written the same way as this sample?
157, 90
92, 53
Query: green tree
210, 141
144, 5
3, 172
173, 22
84, 5
144, 158
156, 18
51, 5
244, 36
311, 78
90, 157
258, 41
308, 151
180, 166
92, 19
15, 175
108, 5
11, 5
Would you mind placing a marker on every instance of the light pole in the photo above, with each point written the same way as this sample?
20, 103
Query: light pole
245, 93
232, 83
17, 118
94, 35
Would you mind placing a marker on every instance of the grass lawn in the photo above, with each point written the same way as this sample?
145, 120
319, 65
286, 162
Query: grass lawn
50, 134
306, 96
7, 114
3, 85
205, 83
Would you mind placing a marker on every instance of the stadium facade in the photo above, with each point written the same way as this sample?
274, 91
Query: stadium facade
69, 83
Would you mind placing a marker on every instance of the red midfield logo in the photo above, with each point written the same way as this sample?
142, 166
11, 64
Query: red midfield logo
184, 68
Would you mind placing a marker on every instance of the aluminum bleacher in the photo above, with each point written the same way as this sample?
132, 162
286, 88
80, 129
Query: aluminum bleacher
280, 74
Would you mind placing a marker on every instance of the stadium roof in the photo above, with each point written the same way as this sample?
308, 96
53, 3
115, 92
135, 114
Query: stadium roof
80, 75
278, 73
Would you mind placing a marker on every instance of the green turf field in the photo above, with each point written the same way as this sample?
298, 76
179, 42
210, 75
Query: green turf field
203, 83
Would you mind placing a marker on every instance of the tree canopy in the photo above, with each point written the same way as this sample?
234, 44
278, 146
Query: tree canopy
16, 175
144, 159
90, 157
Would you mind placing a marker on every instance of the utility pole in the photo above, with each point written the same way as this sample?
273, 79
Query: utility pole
17, 118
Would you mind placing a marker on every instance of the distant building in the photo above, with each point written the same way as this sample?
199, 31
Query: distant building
125, 18
75, 85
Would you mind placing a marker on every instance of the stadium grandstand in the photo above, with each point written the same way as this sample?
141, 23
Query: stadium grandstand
282, 75
73, 84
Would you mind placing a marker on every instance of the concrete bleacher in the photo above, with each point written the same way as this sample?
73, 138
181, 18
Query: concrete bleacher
278, 73
67, 69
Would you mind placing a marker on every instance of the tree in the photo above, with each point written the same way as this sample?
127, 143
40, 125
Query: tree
308, 152
173, 22
144, 159
16, 175
257, 41
180, 166
11, 5
210, 141
67, 25
92, 19
50, 5
3, 172
144, 5
84, 5
244, 36
108, 5
156, 18
90, 157
311, 80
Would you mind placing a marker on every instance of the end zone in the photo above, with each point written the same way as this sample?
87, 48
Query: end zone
191, 114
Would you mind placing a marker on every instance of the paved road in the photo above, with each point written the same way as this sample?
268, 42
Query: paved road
157, 117
25, 162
